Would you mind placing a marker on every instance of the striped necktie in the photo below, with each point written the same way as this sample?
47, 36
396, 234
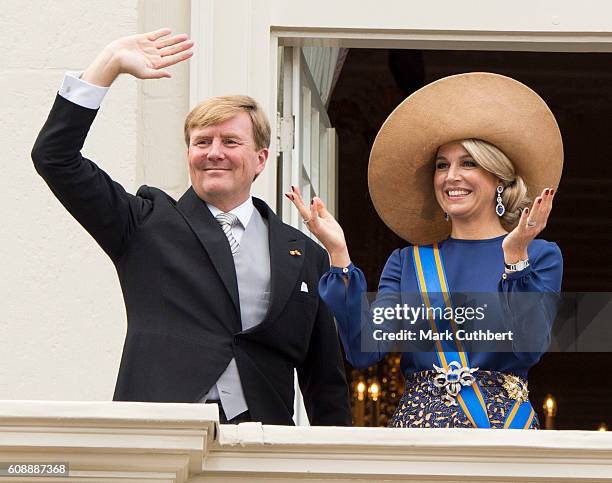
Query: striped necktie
227, 221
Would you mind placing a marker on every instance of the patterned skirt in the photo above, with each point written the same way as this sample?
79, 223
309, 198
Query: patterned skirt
422, 406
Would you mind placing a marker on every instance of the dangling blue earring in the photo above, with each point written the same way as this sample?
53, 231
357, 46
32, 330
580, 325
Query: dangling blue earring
446, 217
500, 209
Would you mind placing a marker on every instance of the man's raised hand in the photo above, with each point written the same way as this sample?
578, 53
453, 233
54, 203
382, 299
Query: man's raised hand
145, 56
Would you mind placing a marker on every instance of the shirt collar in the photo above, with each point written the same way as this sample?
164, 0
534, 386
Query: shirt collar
243, 211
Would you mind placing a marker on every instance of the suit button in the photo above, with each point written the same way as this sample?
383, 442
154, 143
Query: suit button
236, 340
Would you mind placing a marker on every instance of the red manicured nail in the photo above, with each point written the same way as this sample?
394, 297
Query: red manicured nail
539, 201
552, 192
546, 191
292, 188
290, 196
526, 210
312, 201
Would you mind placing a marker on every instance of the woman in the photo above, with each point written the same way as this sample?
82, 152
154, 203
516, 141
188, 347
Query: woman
451, 171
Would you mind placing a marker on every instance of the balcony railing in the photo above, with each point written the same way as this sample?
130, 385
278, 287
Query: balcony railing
148, 442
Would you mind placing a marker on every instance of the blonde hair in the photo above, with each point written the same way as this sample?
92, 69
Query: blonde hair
219, 109
492, 159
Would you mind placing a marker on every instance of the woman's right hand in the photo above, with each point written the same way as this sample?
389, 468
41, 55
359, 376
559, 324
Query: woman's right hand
323, 225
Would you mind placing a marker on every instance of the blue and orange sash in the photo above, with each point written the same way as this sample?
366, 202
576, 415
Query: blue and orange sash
435, 294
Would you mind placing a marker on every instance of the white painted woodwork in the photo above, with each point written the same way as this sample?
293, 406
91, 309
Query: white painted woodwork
183, 443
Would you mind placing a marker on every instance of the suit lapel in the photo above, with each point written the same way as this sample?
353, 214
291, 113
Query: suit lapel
284, 267
214, 241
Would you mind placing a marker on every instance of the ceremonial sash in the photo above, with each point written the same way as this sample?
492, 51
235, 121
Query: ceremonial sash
435, 293
520, 416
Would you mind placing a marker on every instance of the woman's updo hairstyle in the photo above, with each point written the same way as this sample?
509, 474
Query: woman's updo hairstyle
493, 160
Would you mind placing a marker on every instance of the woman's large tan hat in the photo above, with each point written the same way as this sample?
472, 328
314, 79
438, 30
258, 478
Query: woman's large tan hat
481, 105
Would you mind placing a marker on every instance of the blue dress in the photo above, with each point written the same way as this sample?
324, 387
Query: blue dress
471, 266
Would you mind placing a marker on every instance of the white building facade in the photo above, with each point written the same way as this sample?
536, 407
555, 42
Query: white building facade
62, 318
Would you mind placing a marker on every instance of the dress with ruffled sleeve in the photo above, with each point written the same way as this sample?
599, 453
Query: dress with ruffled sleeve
471, 266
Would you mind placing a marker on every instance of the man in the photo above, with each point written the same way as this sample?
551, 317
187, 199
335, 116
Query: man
221, 296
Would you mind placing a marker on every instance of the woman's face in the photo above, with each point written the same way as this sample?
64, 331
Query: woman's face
463, 189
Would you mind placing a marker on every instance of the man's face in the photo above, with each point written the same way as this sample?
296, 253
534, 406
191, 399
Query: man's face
223, 161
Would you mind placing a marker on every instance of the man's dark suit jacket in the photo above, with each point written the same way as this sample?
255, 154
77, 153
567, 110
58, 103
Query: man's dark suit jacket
181, 295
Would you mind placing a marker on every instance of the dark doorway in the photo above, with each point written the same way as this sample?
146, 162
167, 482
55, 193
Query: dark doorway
578, 89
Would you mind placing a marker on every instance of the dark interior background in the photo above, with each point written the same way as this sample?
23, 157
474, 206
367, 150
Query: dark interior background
578, 89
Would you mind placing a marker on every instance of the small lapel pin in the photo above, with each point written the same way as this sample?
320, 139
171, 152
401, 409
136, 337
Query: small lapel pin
295, 253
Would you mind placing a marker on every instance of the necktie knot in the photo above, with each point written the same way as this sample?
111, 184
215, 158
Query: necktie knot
227, 221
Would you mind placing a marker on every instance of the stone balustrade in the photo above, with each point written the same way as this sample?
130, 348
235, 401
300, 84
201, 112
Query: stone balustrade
149, 442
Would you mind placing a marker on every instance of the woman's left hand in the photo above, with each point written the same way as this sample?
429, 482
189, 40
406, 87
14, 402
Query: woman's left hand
532, 222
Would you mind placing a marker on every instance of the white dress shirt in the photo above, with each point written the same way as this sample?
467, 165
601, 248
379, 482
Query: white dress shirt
80, 92
243, 212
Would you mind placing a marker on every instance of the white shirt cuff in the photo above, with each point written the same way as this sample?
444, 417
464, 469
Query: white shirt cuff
80, 92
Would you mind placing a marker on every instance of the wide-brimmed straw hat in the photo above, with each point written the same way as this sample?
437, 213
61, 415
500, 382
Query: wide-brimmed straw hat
481, 105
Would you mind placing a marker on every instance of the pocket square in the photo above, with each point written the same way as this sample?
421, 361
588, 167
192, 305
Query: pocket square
304, 287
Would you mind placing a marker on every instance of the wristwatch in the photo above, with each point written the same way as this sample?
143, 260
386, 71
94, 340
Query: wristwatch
518, 266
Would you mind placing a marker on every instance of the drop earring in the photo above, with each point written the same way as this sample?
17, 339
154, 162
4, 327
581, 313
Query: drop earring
446, 217
500, 209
